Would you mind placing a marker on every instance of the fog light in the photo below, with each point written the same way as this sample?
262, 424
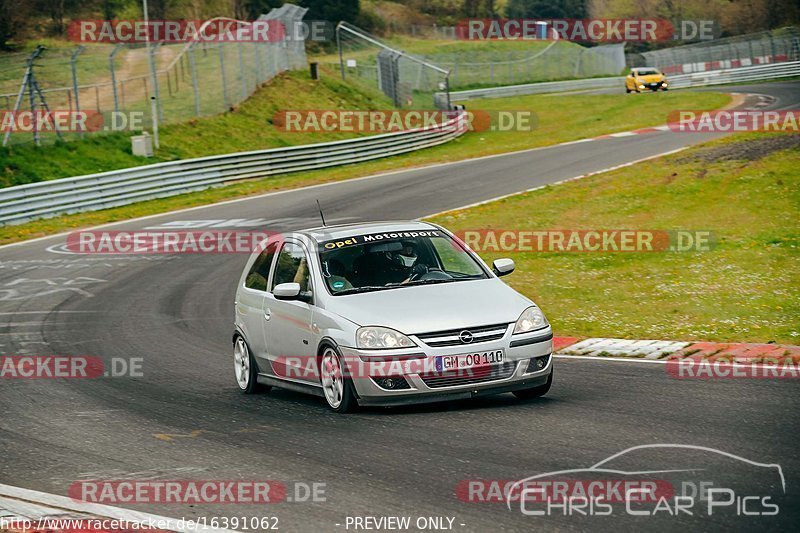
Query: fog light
393, 383
537, 364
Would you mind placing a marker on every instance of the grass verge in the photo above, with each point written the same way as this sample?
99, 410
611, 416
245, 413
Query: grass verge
560, 119
744, 189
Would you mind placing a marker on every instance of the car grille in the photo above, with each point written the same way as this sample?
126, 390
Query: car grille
469, 377
451, 337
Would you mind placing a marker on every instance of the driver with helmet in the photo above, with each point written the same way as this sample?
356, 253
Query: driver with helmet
405, 262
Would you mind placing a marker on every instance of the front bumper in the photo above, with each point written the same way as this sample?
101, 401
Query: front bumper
415, 364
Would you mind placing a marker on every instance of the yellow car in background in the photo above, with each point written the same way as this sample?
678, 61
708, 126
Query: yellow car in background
645, 78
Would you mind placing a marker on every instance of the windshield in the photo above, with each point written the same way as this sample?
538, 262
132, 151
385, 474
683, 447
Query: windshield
647, 71
371, 262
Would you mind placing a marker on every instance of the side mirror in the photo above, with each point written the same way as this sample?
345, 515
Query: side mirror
503, 267
287, 291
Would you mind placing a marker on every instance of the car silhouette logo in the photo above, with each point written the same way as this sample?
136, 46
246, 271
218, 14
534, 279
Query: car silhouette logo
466, 337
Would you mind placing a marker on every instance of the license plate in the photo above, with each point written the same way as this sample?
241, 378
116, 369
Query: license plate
452, 363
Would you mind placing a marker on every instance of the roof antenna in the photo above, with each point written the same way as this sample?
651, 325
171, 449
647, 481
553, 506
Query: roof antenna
320, 214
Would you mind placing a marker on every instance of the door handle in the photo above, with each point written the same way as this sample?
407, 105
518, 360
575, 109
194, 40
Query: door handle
267, 313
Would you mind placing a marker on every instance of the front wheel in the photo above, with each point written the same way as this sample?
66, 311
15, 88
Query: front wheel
245, 369
535, 392
336, 386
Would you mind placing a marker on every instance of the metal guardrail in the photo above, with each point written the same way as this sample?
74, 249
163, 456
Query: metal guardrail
736, 75
539, 88
681, 81
46, 199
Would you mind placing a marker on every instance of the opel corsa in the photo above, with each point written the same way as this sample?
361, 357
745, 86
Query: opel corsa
386, 314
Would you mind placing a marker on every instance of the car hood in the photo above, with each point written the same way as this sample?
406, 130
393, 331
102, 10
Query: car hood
438, 307
651, 78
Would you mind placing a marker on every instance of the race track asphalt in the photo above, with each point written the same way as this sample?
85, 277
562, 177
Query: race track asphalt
185, 418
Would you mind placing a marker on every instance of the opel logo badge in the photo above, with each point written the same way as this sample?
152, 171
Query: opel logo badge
465, 336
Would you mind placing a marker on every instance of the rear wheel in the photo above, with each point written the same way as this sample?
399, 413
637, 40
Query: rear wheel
535, 392
628, 91
336, 386
245, 369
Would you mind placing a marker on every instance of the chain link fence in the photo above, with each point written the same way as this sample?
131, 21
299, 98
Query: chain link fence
546, 61
191, 79
731, 52
408, 80
365, 58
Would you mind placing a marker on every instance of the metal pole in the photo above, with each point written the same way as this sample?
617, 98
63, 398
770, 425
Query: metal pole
21, 93
154, 112
193, 71
73, 61
35, 86
241, 71
339, 46
156, 92
114, 75
157, 107
34, 122
224, 80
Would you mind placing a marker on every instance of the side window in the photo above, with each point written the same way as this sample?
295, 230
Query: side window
292, 267
454, 260
259, 272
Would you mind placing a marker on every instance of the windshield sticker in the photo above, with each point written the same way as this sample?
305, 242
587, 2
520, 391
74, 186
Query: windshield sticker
356, 240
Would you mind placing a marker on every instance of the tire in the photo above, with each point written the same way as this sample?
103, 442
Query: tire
337, 388
627, 91
245, 369
535, 392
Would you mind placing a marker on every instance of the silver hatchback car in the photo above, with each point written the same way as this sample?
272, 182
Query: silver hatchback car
385, 313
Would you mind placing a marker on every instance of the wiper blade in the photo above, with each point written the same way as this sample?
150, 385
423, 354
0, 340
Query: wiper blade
368, 288
428, 282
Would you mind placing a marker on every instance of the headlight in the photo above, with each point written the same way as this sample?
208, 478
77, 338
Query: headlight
641, 86
531, 319
378, 338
